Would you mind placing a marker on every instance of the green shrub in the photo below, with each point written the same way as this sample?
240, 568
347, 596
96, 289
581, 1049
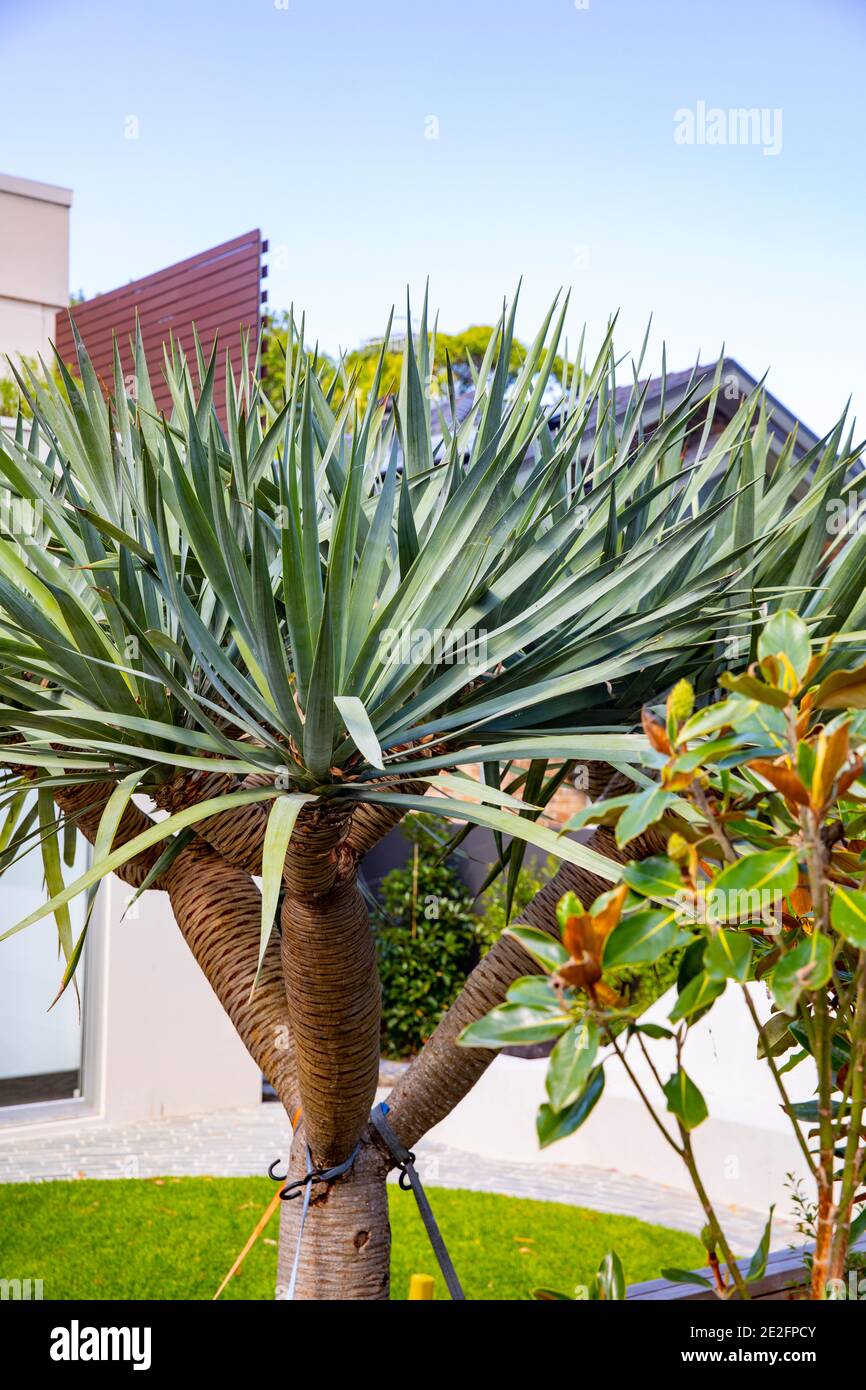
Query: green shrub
427, 940
429, 934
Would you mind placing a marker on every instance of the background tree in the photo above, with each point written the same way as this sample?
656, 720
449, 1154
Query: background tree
360, 365
287, 632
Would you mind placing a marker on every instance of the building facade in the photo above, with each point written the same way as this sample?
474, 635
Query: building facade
34, 264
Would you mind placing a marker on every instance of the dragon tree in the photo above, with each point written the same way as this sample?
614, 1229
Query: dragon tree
234, 653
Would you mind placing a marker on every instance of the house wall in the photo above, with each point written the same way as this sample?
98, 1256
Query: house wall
34, 263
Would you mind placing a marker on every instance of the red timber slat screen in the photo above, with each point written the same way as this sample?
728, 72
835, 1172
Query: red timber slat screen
218, 290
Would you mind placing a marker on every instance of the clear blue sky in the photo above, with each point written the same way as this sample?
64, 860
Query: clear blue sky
555, 159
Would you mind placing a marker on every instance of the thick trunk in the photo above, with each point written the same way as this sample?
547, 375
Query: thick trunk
84, 805
332, 985
325, 968
443, 1073
345, 1248
218, 910
238, 835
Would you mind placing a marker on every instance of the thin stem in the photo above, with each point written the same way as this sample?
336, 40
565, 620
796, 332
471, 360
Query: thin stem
720, 835
710, 1213
650, 1063
647, 1102
816, 860
780, 1085
851, 1163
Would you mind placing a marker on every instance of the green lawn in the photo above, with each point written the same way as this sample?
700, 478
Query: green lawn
177, 1237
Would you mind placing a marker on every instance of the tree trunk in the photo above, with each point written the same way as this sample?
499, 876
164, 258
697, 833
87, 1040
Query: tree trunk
349, 1218
345, 1250
332, 984
218, 910
324, 969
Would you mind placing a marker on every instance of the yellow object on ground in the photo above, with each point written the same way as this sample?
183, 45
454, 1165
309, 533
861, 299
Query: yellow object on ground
421, 1286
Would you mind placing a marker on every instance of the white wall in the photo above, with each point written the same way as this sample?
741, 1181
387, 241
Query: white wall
744, 1149
34, 263
167, 1047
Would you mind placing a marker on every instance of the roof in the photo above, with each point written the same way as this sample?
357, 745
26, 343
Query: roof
735, 383
41, 192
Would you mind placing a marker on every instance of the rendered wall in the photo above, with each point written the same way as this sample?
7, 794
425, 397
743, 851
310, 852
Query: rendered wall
34, 264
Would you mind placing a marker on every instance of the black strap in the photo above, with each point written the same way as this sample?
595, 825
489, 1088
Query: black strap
406, 1163
293, 1189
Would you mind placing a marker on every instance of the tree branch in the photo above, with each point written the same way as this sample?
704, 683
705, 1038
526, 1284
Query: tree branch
218, 911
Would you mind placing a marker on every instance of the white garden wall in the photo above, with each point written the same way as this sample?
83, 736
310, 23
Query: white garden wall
744, 1149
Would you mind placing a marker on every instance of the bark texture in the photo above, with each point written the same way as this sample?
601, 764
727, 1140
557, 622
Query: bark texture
218, 910
346, 1245
237, 835
84, 805
332, 984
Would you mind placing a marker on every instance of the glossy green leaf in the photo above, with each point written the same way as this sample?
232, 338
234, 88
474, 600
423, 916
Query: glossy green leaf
552, 1126
642, 937
699, 994
758, 1263
805, 967
728, 956
545, 949
685, 1100
848, 914
787, 633
686, 1276
512, 1024
644, 810
656, 877
570, 1064
772, 871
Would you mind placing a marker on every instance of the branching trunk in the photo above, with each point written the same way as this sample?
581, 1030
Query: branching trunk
218, 910
237, 835
324, 968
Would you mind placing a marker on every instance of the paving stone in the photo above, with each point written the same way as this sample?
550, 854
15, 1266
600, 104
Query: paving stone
244, 1143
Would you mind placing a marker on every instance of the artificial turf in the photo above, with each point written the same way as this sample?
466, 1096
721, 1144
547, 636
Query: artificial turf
175, 1238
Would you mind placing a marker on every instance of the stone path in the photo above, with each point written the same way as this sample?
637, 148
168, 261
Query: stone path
240, 1143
